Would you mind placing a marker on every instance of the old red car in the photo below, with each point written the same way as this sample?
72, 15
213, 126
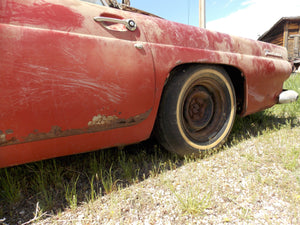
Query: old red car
77, 76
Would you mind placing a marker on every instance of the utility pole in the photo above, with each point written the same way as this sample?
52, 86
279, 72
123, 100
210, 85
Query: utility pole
202, 22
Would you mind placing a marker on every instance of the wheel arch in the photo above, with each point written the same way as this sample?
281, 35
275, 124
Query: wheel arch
180, 127
236, 76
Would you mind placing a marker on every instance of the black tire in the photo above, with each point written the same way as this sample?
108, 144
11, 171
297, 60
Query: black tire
197, 110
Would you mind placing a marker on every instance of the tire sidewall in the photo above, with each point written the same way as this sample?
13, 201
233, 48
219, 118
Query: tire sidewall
189, 78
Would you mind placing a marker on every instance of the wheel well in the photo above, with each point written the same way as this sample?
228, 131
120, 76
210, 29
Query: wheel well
235, 75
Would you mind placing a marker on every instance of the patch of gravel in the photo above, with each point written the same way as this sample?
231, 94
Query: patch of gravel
246, 184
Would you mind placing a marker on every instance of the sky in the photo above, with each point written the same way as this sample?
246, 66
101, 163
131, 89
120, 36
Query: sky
246, 18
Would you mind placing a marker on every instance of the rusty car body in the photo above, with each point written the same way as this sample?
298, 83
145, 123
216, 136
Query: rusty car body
77, 77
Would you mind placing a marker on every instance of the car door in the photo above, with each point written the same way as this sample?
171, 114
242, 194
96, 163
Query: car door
63, 73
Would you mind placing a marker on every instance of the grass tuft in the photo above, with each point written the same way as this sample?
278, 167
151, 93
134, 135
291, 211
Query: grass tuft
192, 202
10, 187
71, 193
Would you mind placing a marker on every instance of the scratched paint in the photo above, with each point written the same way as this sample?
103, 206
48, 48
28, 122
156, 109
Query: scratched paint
40, 13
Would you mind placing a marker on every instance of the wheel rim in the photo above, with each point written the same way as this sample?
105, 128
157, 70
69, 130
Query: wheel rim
204, 124
198, 108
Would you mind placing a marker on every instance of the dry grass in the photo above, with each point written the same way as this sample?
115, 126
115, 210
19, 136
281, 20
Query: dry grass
255, 182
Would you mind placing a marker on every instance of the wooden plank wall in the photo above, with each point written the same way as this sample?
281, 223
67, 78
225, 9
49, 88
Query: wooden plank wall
293, 29
283, 37
278, 39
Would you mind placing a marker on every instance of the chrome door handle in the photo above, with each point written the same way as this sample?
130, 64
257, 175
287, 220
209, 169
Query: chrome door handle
129, 23
139, 46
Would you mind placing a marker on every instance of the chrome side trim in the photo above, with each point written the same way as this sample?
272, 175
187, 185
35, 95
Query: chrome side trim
273, 54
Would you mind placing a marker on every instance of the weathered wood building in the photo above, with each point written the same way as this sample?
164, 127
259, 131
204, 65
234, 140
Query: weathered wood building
286, 32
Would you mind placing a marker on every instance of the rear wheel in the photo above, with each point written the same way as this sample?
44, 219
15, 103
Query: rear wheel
197, 110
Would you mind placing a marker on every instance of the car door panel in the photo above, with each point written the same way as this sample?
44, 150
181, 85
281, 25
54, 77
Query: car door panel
71, 75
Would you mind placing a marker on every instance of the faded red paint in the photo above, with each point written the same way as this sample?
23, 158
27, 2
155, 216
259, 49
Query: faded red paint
264, 75
39, 13
70, 84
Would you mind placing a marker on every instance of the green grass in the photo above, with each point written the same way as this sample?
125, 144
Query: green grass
10, 185
67, 182
193, 201
71, 193
288, 110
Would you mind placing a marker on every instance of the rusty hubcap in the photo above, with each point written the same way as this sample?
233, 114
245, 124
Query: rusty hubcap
198, 108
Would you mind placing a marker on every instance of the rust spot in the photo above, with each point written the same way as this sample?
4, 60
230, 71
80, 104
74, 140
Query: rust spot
102, 122
98, 123
4, 141
36, 136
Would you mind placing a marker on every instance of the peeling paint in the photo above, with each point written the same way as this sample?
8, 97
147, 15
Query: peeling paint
102, 120
55, 131
2, 138
97, 124
5, 141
